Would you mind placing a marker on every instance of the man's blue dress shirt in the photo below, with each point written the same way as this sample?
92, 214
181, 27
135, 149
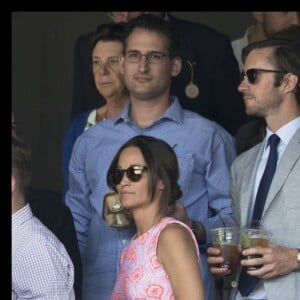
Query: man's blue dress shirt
205, 152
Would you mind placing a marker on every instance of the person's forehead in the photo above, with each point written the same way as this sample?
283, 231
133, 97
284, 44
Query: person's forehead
131, 153
259, 57
104, 46
280, 19
143, 36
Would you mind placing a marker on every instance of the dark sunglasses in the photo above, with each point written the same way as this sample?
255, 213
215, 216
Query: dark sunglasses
134, 173
252, 74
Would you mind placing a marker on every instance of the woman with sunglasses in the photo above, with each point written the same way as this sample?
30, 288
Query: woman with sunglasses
162, 258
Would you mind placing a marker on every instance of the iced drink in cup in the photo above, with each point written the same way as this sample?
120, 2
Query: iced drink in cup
227, 240
253, 237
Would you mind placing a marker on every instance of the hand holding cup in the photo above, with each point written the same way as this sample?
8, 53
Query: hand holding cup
227, 240
252, 238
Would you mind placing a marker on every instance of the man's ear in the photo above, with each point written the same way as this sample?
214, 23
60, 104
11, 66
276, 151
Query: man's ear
289, 82
176, 65
13, 183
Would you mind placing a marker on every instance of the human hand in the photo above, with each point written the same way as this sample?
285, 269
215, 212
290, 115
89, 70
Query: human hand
215, 260
276, 260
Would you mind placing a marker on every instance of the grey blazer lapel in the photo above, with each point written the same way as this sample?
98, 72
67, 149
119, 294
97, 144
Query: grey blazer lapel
250, 170
287, 161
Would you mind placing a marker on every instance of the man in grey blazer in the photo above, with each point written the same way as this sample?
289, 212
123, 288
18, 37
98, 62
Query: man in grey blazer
271, 89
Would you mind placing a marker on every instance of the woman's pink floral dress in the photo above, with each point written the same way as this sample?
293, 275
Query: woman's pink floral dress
141, 276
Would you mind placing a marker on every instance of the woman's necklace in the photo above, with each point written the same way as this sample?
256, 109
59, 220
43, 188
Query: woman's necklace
100, 117
106, 115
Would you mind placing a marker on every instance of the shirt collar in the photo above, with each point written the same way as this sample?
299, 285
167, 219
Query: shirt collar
174, 112
91, 119
285, 132
22, 215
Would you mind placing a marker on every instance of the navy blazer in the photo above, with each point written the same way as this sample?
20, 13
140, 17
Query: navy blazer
216, 73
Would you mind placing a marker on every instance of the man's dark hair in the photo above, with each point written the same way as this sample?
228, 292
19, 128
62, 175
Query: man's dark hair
158, 25
286, 53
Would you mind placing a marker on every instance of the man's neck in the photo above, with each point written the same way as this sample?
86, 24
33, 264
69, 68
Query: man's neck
18, 202
145, 112
278, 120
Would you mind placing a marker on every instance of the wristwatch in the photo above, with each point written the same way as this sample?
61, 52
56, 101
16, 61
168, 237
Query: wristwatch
298, 256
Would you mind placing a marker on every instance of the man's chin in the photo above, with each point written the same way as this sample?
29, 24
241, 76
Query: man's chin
251, 112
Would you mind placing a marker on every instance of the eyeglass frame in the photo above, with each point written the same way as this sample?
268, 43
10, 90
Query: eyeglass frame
251, 74
147, 56
130, 174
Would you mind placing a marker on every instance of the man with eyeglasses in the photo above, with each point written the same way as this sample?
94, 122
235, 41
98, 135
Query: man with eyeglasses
271, 89
203, 148
207, 80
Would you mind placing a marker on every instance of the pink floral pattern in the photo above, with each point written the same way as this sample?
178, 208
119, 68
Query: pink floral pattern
141, 276
155, 291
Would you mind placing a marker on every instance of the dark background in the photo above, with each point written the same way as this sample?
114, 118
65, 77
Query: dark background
42, 65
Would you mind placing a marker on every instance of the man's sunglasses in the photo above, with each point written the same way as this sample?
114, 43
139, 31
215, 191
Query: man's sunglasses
134, 173
252, 74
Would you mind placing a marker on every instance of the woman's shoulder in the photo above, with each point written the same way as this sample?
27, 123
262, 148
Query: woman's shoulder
172, 228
